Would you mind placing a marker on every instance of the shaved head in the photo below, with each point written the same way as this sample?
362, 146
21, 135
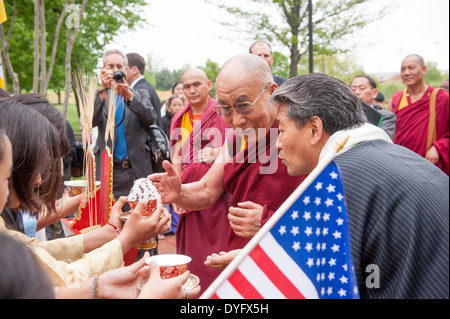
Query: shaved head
417, 57
195, 72
196, 87
246, 65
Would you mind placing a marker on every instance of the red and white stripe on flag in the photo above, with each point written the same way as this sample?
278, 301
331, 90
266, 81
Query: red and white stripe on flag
268, 272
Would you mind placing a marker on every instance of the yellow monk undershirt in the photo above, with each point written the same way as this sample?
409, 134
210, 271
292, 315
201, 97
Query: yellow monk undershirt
187, 125
406, 101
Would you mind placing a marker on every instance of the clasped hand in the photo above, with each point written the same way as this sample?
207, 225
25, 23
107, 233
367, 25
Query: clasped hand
245, 220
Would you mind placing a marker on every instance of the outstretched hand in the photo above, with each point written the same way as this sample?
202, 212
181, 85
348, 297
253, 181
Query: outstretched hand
221, 260
168, 184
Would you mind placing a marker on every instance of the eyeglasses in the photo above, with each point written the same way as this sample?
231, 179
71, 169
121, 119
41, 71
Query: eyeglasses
177, 96
241, 107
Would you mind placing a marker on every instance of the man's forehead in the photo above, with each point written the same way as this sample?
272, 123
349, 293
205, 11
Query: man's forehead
234, 93
261, 47
236, 84
114, 58
411, 61
360, 81
190, 79
194, 75
193, 81
281, 113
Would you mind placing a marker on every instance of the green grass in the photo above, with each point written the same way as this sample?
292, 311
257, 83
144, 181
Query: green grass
72, 113
72, 118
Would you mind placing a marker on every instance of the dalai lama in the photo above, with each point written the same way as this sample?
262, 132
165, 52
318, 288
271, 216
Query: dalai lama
248, 169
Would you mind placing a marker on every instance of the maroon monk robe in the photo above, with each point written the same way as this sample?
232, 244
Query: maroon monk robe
412, 125
201, 233
244, 181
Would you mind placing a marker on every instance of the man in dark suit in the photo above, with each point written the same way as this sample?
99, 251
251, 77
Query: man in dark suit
366, 89
397, 201
134, 112
135, 71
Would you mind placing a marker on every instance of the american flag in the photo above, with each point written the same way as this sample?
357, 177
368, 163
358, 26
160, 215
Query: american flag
305, 255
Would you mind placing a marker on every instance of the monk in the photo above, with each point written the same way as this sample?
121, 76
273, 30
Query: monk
197, 135
248, 169
412, 107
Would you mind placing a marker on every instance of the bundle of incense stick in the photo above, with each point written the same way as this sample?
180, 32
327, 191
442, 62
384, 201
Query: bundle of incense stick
110, 124
86, 91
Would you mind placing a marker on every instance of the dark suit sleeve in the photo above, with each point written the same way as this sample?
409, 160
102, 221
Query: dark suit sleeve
143, 84
141, 105
388, 122
98, 108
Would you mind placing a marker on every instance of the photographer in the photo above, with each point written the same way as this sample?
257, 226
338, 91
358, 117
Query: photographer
134, 112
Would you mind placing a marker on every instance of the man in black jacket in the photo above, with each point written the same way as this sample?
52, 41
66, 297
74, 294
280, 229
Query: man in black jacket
135, 71
134, 113
366, 89
398, 208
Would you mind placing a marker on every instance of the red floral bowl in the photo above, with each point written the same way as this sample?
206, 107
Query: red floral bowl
149, 210
78, 187
170, 265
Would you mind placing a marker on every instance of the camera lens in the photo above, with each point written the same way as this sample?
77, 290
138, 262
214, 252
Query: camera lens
118, 76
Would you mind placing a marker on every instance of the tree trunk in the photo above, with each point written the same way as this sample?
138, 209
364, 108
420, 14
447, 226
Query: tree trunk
68, 75
43, 75
13, 75
295, 58
294, 20
54, 49
36, 47
70, 41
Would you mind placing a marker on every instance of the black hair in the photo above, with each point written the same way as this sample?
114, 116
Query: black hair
175, 85
36, 151
136, 60
41, 104
2, 143
323, 96
372, 82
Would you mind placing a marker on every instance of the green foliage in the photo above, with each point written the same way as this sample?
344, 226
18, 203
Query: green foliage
285, 22
342, 66
211, 69
102, 21
280, 66
388, 88
434, 75
163, 79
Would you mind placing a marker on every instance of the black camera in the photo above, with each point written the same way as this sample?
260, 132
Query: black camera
119, 76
